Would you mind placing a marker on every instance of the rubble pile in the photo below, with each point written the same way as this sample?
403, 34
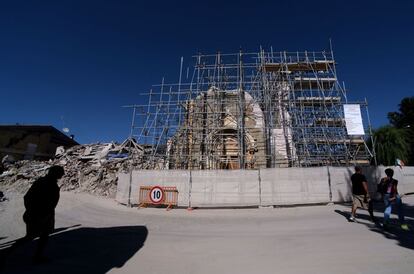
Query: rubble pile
88, 168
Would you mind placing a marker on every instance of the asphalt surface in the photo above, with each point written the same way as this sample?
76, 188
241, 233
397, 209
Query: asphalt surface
96, 235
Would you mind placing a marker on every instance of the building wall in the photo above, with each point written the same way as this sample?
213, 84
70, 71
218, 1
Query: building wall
30, 143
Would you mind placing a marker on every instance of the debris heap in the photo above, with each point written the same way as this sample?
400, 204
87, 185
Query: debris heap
88, 168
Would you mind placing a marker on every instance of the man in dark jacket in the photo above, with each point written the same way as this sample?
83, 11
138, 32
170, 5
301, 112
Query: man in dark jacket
40, 202
360, 195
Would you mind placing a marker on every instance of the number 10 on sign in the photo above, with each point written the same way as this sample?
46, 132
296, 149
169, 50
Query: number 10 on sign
156, 195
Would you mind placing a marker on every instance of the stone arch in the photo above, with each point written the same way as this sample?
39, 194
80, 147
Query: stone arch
225, 149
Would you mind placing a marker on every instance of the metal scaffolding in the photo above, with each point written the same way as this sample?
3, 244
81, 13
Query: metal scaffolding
250, 110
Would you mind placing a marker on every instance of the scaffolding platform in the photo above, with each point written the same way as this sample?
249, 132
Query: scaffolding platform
317, 101
317, 65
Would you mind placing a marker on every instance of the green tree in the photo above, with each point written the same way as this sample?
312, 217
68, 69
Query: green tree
405, 116
404, 120
390, 144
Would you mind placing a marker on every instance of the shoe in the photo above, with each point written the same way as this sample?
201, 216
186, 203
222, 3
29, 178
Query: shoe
352, 219
405, 227
374, 220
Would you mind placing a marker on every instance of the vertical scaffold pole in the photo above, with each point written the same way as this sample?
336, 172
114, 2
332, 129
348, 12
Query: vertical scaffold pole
130, 156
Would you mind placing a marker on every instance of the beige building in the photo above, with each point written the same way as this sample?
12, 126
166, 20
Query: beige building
28, 142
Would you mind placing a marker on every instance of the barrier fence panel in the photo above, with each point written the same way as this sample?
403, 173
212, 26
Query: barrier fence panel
288, 186
169, 196
122, 189
144, 195
225, 188
407, 178
373, 176
341, 186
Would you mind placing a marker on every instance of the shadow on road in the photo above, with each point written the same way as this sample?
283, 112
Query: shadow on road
404, 238
81, 250
55, 231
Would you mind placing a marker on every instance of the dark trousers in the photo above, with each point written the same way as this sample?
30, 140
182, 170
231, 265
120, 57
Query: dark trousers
371, 209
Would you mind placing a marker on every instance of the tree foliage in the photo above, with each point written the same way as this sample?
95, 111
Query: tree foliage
390, 144
405, 116
404, 120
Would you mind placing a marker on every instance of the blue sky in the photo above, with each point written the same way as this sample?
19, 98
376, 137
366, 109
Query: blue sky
83, 60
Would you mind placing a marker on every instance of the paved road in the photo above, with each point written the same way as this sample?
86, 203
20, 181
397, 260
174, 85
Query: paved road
96, 235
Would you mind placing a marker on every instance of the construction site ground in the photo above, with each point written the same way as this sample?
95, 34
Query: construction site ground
97, 235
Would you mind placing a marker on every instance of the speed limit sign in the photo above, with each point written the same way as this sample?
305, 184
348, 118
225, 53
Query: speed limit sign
156, 195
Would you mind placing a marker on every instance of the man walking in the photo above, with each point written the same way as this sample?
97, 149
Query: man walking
360, 195
40, 202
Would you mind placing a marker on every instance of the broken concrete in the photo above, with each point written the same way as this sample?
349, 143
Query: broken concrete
88, 168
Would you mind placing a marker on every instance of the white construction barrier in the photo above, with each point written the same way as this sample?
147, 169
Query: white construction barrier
122, 188
288, 186
272, 186
224, 188
340, 180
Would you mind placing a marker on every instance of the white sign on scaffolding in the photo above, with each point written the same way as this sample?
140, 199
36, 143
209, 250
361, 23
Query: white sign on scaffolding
353, 119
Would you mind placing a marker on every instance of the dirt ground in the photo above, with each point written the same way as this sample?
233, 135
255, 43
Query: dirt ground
97, 235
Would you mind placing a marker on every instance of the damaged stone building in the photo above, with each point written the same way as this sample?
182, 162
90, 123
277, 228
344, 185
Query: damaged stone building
209, 138
253, 110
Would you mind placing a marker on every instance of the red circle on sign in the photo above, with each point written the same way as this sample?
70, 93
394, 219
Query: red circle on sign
156, 195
